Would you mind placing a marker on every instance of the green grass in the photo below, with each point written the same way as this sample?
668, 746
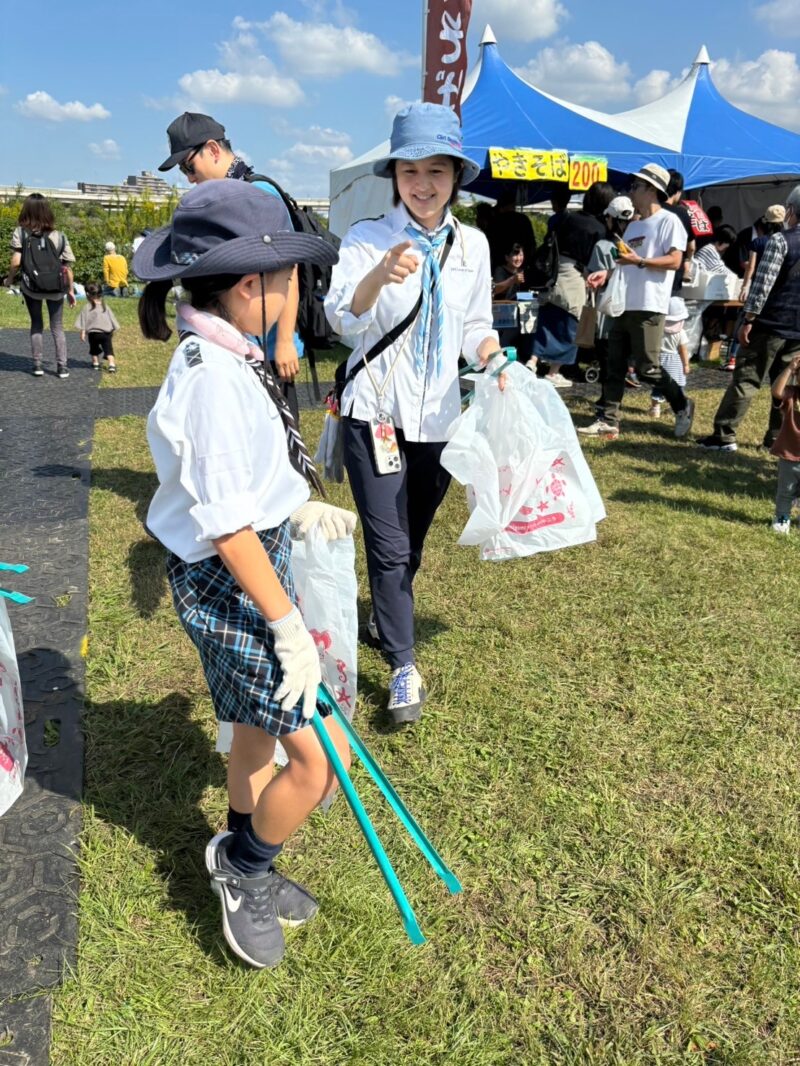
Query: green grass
140, 362
609, 759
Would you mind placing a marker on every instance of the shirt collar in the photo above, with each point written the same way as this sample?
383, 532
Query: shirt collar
399, 218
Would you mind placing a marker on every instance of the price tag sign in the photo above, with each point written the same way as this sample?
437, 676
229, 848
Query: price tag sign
529, 164
585, 170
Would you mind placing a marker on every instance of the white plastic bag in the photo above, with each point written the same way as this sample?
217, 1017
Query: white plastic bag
611, 301
13, 750
529, 488
327, 593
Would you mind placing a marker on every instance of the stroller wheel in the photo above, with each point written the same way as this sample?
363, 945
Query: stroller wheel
592, 374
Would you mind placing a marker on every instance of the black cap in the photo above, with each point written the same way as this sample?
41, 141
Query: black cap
187, 132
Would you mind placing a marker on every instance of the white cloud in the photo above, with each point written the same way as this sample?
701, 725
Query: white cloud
329, 136
654, 85
329, 155
321, 49
336, 11
768, 86
42, 105
519, 20
781, 16
303, 170
107, 149
393, 104
584, 73
216, 86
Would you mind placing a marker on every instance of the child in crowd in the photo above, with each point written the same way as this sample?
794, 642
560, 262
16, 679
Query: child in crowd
233, 477
674, 351
509, 279
786, 392
99, 322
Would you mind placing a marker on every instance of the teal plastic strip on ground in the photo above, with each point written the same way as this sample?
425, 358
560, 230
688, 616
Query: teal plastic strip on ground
14, 568
388, 790
15, 597
407, 915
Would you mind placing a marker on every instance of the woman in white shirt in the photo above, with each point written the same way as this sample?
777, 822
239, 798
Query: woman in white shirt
414, 289
233, 474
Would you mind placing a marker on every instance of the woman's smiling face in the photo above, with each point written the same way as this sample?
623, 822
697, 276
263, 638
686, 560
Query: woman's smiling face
425, 187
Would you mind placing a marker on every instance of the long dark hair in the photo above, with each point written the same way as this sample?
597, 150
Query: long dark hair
206, 295
37, 214
597, 198
94, 294
458, 174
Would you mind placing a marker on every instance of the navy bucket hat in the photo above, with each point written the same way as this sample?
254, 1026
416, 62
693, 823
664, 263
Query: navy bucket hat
422, 130
227, 227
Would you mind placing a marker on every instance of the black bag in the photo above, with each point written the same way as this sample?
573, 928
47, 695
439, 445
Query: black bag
542, 270
314, 281
42, 269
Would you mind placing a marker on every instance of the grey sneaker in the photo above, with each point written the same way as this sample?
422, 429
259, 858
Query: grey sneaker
600, 428
249, 915
63, 373
406, 694
684, 419
295, 905
37, 370
713, 443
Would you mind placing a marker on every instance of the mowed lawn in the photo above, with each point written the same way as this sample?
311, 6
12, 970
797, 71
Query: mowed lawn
609, 759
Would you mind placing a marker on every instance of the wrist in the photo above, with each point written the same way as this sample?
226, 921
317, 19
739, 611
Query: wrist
288, 625
642, 264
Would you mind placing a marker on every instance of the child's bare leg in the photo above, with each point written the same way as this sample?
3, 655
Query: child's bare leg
250, 766
293, 794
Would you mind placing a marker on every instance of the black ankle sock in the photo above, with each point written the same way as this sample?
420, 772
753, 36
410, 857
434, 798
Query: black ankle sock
248, 853
237, 820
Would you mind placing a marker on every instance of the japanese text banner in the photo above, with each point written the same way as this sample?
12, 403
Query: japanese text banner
445, 59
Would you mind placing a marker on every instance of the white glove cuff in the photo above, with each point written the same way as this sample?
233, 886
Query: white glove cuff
291, 625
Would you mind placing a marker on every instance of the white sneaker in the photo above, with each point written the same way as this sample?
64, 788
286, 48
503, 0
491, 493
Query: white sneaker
406, 694
655, 410
599, 428
558, 380
782, 525
684, 419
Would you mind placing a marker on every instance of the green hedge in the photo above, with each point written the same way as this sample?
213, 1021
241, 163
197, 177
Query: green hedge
89, 226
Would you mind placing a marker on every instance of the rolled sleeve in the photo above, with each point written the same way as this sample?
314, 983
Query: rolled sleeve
355, 262
478, 319
219, 518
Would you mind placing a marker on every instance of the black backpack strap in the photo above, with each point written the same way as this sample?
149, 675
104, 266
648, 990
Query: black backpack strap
284, 195
395, 332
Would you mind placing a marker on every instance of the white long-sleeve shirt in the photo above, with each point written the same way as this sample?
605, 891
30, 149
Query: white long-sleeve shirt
421, 401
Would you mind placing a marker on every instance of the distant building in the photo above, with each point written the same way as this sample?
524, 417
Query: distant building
134, 185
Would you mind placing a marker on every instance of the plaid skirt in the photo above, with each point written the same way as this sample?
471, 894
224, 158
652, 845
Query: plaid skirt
236, 645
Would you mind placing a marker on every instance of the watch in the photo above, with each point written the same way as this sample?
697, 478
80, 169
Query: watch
641, 264
749, 318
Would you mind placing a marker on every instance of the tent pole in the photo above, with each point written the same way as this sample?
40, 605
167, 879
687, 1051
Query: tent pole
425, 13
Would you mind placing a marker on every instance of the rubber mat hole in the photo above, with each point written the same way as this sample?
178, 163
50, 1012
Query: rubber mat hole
36, 960
52, 732
6, 1037
63, 599
75, 475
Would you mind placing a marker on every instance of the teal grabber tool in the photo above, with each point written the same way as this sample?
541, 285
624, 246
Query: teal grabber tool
407, 915
496, 365
15, 597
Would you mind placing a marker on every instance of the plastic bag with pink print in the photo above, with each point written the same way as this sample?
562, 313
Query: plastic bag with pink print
529, 488
13, 750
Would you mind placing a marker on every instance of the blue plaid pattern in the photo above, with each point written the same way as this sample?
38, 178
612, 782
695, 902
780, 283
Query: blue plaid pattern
431, 286
236, 646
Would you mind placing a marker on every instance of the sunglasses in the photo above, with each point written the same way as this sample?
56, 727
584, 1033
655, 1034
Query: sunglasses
187, 166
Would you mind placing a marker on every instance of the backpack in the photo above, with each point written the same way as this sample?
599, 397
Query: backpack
542, 270
42, 269
314, 281
701, 223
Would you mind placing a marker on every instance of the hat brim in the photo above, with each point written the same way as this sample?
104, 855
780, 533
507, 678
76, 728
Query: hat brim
242, 255
382, 169
643, 176
175, 158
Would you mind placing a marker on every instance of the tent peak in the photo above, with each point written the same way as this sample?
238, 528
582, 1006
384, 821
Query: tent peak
488, 36
702, 58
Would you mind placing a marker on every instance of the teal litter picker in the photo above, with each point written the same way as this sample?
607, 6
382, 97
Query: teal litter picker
407, 915
15, 597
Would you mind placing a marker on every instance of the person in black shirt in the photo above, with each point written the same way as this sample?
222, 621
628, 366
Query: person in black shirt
509, 226
673, 204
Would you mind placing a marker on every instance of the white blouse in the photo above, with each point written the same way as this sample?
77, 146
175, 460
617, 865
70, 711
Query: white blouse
421, 401
220, 453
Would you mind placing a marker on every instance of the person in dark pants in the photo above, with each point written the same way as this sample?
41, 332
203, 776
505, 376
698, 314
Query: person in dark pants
417, 264
769, 335
36, 223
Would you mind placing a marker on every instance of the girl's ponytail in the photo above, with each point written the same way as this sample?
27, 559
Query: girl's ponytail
153, 311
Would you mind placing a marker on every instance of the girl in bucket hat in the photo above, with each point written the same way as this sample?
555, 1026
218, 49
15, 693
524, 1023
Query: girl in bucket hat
414, 289
233, 476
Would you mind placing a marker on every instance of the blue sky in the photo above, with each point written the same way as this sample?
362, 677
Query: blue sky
306, 86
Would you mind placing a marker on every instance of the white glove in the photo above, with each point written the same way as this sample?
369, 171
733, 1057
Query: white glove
334, 522
299, 659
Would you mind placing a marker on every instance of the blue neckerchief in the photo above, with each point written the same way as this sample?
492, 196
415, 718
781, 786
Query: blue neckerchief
431, 284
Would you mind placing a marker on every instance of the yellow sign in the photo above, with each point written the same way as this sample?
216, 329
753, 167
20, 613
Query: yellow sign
585, 170
527, 164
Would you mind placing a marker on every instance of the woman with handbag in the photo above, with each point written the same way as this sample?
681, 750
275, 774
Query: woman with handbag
414, 289
44, 257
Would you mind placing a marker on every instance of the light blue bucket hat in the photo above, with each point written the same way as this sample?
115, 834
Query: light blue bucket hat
422, 130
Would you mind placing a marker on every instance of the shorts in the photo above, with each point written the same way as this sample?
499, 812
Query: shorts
100, 344
235, 643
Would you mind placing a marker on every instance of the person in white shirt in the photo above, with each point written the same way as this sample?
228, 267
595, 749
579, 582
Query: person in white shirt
657, 240
233, 474
415, 289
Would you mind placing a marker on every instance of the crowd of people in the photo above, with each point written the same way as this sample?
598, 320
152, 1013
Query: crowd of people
414, 290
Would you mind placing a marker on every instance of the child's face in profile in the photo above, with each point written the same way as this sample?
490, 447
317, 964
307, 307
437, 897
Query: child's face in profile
514, 260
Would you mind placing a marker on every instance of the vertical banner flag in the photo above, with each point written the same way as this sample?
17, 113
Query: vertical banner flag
444, 59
